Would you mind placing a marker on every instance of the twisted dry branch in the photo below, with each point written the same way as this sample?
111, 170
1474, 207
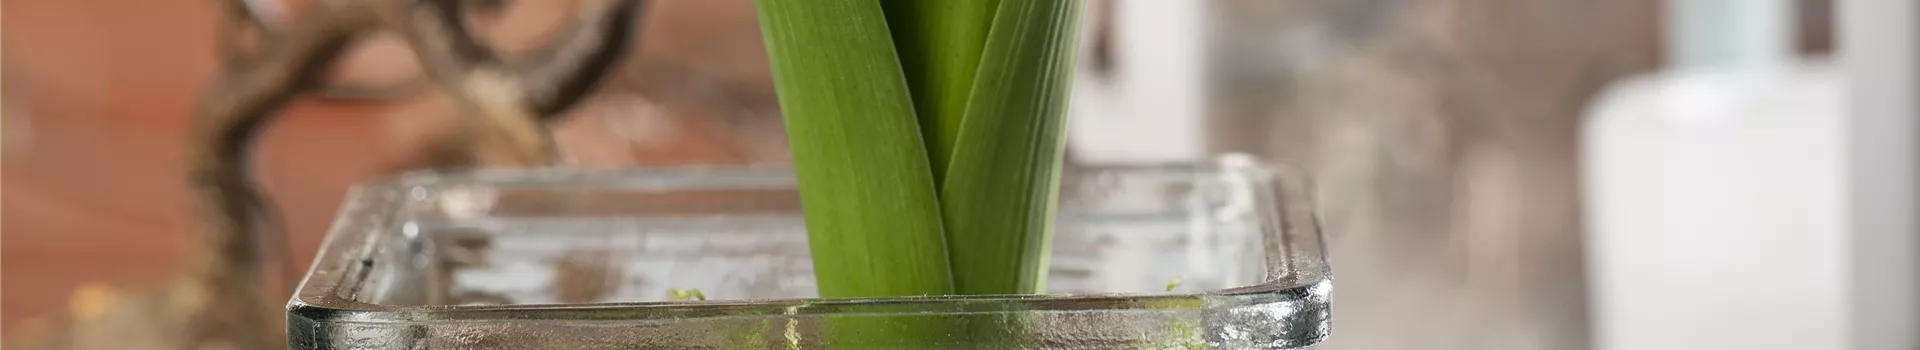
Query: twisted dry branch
504, 101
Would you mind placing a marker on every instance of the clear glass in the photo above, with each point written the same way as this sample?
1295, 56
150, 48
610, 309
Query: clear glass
1222, 255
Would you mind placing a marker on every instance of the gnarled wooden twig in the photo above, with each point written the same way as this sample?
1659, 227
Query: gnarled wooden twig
225, 275
506, 102
253, 21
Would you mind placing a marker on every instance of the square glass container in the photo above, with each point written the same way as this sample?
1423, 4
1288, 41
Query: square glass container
1224, 254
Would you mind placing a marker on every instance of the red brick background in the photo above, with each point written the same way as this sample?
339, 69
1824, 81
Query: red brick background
99, 92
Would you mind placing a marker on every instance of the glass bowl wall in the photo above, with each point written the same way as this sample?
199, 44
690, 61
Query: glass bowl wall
1226, 255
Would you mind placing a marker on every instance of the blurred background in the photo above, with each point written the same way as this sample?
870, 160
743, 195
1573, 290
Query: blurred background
1492, 174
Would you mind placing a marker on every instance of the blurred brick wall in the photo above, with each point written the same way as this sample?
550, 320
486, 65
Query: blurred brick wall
98, 94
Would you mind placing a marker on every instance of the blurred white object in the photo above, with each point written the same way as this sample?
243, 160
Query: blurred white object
1148, 108
1715, 211
1733, 203
1879, 40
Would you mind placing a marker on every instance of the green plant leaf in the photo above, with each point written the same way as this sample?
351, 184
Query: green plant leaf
939, 42
872, 214
999, 191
